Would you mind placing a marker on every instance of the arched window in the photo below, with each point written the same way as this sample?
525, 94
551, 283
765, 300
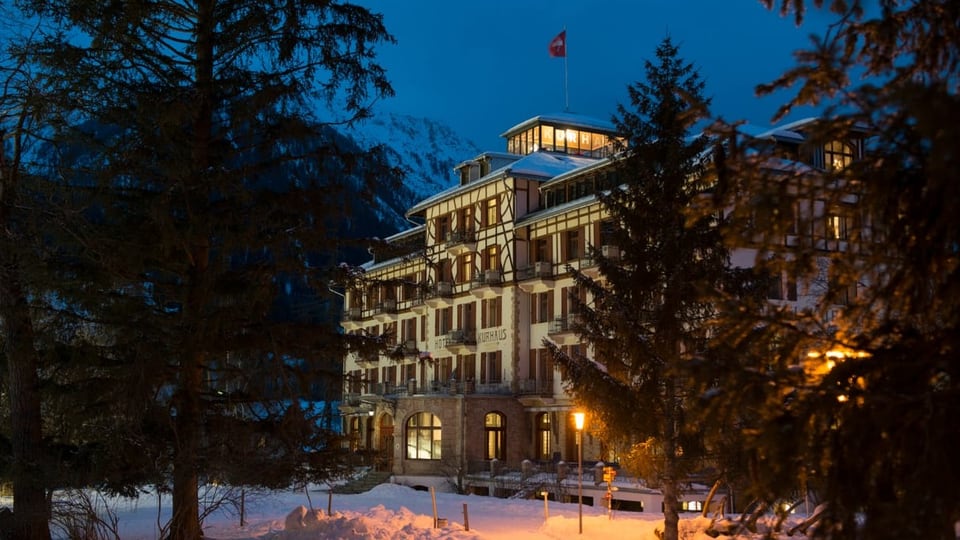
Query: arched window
423, 436
544, 436
494, 427
837, 155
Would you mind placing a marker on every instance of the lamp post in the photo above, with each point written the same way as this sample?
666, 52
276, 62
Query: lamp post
578, 418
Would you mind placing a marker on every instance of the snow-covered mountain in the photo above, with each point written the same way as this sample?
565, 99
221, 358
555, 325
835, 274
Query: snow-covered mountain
426, 150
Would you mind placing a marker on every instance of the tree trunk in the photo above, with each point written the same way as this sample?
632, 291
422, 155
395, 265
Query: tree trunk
185, 522
31, 511
671, 505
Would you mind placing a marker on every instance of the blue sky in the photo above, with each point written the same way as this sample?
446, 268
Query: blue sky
483, 66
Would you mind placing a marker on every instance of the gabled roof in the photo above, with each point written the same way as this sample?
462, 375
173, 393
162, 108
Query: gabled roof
535, 166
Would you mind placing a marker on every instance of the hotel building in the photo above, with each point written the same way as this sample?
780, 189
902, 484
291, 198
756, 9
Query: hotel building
464, 386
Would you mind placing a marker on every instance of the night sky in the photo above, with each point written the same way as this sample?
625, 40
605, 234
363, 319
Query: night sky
482, 66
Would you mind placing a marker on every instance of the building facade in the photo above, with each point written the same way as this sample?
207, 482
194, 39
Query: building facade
463, 303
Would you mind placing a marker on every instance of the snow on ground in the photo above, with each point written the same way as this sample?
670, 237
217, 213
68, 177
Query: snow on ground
394, 512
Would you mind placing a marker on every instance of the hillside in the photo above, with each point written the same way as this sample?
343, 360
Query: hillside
425, 149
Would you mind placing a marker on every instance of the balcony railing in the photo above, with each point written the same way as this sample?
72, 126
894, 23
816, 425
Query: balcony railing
464, 236
487, 278
387, 306
443, 289
449, 387
353, 314
460, 336
531, 387
538, 270
563, 324
367, 359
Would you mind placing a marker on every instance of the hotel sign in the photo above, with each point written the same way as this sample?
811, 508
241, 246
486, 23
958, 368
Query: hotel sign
491, 335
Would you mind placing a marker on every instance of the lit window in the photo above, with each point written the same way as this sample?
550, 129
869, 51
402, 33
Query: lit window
423, 436
544, 437
837, 155
466, 267
491, 212
547, 136
839, 226
491, 259
494, 427
573, 141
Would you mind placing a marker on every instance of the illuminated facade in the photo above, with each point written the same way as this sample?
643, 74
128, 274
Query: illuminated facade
466, 299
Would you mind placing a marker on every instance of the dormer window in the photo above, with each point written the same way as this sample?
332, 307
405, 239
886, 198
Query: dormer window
837, 155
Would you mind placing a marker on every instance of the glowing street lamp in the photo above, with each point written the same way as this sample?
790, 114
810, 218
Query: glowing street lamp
578, 420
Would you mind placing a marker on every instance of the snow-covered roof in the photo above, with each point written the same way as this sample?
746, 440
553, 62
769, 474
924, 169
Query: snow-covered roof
780, 163
545, 213
786, 132
495, 155
413, 231
538, 166
567, 119
373, 265
547, 164
598, 164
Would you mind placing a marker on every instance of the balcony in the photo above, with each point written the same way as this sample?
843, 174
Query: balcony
459, 242
536, 278
610, 252
486, 283
535, 387
385, 310
449, 387
440, 295
407, 348
368, 360
353, 314
563, 330
459, 338
417, 303
558, 326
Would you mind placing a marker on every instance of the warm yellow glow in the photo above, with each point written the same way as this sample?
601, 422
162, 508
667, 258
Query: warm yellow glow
822, 363
842, 398
578, 420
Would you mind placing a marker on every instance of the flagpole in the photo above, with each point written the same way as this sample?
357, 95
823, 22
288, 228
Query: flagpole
566, 91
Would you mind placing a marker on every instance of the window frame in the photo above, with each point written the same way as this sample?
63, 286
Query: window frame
495, 436
428, 439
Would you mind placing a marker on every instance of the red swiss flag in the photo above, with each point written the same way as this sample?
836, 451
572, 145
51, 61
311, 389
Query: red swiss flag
558, 45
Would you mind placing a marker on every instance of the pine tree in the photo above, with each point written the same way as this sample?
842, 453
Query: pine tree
186, 134
19, 265
649, 309
871, 430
